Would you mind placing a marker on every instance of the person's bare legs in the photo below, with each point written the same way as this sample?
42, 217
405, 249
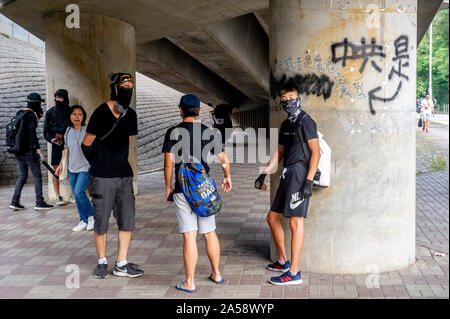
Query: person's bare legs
213, 251
56, 183
190, 254
296, 224
274, 221
124, 244
100, 245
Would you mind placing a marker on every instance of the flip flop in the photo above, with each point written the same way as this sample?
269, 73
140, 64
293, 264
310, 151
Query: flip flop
180, 287
217, 282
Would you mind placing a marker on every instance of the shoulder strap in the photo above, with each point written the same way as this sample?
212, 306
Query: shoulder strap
303, 143
114, 127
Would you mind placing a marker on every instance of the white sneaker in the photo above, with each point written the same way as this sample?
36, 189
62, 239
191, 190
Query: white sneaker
72, 200
81, 226
90, 223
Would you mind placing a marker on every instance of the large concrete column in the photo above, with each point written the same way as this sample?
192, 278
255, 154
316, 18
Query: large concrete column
82, 61
365, 220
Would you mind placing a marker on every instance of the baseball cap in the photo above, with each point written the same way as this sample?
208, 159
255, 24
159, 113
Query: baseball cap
189, 100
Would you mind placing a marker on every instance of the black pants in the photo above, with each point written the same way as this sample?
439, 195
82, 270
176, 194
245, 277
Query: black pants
23, 162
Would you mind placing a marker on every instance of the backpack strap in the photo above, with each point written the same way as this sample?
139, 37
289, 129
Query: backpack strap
301, 136
114, 126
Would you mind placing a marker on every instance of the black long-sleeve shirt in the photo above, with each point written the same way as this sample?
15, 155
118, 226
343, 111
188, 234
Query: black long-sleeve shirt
30, 140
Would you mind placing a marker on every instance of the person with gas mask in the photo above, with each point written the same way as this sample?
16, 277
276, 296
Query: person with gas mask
295, 188
30, 154
55, 125
106, 147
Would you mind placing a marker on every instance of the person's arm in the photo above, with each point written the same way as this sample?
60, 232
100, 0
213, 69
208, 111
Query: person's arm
48, 135
168, 172
275, 160
314, 147
226, 182
32, 126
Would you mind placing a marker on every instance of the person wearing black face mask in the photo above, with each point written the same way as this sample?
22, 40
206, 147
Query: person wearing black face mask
55, 125
295, 189
30, 154
106, 147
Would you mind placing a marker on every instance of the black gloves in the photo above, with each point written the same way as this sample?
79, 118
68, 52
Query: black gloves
307, 188
259, 183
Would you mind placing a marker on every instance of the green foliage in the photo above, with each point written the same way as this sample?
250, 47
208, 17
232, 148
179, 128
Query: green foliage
440, 60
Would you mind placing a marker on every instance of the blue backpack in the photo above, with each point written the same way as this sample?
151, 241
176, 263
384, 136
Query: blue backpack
199, 189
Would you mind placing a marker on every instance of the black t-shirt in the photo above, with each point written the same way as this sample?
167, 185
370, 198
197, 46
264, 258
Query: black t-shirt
206, 140
111, 159
293, 151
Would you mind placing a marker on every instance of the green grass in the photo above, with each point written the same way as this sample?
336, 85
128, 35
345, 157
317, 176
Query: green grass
439, 163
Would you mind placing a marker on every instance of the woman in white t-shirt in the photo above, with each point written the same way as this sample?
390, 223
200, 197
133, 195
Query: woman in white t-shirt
426, 111
79, 168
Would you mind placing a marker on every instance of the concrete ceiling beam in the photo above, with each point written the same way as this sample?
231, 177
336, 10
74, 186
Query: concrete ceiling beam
165, 62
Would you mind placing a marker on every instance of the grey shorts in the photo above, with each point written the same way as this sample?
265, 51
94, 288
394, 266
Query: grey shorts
426, 116
113, 194
188, 220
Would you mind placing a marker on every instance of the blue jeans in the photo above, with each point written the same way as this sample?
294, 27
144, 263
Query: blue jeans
79, 183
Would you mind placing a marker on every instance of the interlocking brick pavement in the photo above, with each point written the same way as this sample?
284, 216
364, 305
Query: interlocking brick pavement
36, 247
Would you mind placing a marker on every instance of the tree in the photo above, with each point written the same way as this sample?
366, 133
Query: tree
440, 72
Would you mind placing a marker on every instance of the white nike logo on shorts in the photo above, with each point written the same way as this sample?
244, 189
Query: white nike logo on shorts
295, 205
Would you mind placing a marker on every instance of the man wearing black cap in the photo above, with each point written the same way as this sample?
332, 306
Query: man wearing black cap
30, 154
106, 147
55, 125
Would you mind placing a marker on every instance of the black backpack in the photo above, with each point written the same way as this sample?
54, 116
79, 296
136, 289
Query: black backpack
14, 133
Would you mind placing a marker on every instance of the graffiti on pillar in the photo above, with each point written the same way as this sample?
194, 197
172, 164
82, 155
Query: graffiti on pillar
344, 51
309, 84
352, 51
400, 60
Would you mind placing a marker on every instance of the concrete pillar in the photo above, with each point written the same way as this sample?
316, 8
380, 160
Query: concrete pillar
82, 61
365, 221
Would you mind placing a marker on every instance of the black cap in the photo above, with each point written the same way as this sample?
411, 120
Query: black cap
34, 97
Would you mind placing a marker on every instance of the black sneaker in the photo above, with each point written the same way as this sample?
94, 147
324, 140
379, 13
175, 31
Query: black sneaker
16, 206
101, 272
129, 270
43, 206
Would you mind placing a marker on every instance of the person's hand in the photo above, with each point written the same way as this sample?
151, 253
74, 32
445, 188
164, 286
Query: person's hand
307, 188
58, 170
169, 190
259, 182
40, 154
226, 184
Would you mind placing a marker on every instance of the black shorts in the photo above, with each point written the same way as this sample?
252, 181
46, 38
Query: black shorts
116, 195
289, 199
56, 154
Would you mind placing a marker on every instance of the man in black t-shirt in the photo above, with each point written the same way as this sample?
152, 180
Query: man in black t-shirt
112, 126
192, 138
295, 189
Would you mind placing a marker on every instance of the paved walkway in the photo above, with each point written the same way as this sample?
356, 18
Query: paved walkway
36, 248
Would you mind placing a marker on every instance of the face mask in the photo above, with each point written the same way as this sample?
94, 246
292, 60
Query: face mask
61, 104
292, 108
123, 99
35, 106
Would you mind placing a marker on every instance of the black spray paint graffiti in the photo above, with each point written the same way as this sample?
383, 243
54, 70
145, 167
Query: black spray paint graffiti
401, 54
351, 51
363, 51
309, 84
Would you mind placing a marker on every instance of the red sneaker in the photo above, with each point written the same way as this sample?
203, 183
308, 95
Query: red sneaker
427, 130
423, 128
